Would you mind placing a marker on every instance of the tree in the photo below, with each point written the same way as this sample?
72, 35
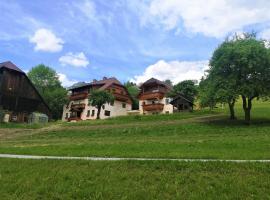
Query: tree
223, 80
243, 67
169, 82
133, 90
100, 97
187, 88
46, 80
207, 93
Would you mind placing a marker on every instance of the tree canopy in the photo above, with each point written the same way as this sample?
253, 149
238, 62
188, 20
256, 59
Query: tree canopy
133, 90
240, 67
187, 88
100, 97
47, 83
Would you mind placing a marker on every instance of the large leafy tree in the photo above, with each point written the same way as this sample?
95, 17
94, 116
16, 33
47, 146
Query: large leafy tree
47, 83
98, 98
133, 90
187, 88
221, 75
242, 67
207, 93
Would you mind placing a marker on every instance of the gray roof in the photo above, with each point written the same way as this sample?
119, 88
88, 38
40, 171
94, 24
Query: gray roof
11, 66
155, 81
105, 83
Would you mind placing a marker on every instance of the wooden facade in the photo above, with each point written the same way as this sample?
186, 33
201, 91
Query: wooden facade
18, 96
152, 96
182, 103
82, 91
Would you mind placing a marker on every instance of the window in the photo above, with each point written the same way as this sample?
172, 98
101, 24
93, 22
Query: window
88, 113
107, 113
112, 103
123, 105
67, 106
66, 115
93, 113
103, 107
167, 101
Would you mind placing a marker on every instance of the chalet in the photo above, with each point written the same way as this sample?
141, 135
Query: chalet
79, 108
19, 99
152, 97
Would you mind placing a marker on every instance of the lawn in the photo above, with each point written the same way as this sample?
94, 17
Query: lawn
48, 179
201, 134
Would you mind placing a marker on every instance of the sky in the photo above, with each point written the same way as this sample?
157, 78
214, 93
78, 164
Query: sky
132, 40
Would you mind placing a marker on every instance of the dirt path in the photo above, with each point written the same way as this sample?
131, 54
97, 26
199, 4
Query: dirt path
122, 159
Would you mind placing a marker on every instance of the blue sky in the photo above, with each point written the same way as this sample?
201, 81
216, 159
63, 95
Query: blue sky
131, 40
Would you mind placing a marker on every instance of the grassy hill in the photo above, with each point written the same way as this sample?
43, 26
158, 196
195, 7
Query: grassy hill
201, 134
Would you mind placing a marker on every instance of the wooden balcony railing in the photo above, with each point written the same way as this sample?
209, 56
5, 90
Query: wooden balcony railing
78, 96
151, 95
153, 107
121, 97
78, 106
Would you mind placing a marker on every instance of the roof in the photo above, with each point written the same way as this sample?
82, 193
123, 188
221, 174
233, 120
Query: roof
104, 83
180, 95
155, 81
11, 66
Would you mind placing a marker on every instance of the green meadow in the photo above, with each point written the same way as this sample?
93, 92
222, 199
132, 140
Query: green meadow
200, 134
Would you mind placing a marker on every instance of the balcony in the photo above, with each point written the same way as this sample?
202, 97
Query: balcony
153, 107
78, 96
78, 106
151, 95
121, 97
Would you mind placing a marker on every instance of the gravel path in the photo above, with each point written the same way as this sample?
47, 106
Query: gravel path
121, 159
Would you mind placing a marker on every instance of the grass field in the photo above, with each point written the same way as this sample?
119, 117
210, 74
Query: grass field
201, 134
47, 179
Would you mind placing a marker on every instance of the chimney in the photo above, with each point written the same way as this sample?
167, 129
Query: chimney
105, 78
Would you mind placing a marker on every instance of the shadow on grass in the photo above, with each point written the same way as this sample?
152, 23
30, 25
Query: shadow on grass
223, 121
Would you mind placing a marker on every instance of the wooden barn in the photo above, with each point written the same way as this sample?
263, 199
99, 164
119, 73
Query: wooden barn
18, 96
181, 103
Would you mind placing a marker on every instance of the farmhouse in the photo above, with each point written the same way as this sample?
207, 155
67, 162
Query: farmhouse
18, 96
79, 108
153, 99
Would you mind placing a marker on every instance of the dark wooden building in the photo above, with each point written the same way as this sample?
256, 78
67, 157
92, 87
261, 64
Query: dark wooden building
18, 96
182, 103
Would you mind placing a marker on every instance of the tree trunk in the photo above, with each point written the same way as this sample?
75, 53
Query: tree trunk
98, 112
231, 106
247, 105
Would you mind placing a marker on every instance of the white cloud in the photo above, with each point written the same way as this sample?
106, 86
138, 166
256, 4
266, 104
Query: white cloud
176, 71
45, 40
74, 59
211, 18
265, 34
66, 82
